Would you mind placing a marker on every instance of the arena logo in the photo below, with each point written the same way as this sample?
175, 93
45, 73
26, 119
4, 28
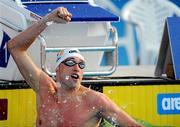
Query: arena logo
168, 103
4, 54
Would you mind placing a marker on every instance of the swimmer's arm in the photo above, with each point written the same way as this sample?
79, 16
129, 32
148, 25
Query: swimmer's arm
18, 48
113, 114
18, 45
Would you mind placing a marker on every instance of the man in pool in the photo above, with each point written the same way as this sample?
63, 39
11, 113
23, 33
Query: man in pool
64, 103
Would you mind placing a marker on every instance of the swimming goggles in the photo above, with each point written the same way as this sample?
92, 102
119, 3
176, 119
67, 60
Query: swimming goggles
71, 63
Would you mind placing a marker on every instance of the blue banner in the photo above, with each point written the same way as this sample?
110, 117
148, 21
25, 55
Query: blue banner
168, 103
4, 53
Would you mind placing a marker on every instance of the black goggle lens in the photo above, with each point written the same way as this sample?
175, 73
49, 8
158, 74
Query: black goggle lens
71, 63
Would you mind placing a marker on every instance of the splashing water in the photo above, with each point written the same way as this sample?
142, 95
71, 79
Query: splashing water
43, 106
67, 77
30, 75
78, 99
64, 101
114, 119
49, 23
49, 9
110, 91
52, 122
58, 84
89, 88
76, 106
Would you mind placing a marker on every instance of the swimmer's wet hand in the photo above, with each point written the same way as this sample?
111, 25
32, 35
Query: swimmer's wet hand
59, 15
64, 14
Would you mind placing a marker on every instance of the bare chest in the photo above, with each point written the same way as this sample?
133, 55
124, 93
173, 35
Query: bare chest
67, 114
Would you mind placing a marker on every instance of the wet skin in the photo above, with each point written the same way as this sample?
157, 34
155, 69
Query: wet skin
75, 110
72, 105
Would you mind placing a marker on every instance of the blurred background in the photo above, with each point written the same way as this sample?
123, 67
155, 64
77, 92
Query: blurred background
134, 88
140, 28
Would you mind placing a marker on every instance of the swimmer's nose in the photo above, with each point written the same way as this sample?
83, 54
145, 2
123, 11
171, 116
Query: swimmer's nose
76, 67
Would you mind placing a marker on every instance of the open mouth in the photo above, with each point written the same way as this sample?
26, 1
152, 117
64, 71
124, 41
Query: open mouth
75, 76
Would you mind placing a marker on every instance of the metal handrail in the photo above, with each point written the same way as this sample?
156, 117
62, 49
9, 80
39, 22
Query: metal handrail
112, 48
44, 50
100, 48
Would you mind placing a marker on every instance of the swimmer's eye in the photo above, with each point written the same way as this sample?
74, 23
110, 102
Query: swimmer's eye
71, 63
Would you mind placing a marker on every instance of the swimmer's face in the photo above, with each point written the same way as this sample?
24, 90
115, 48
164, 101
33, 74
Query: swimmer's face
70, 71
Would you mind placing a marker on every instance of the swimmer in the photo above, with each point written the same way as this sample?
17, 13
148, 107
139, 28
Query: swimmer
64, 103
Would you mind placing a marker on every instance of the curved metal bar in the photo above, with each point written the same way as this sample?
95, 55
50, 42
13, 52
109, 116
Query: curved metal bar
102, 48
42, 52
112, 48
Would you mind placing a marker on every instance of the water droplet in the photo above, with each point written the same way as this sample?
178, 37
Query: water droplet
110, 91
114, 119
78, 99
58, 84
30, 75
57, 116
67, 77
49, 23
52, 121
43, 66
65, 101
89, 88
43, 106
60, 119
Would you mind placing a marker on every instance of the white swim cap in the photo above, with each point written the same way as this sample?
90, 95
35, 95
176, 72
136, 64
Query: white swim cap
66, 53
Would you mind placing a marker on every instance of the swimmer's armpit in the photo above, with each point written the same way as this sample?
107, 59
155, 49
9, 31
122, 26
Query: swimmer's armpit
52, 88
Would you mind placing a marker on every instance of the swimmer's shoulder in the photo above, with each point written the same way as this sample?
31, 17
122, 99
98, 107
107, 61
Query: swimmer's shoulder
92, 95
